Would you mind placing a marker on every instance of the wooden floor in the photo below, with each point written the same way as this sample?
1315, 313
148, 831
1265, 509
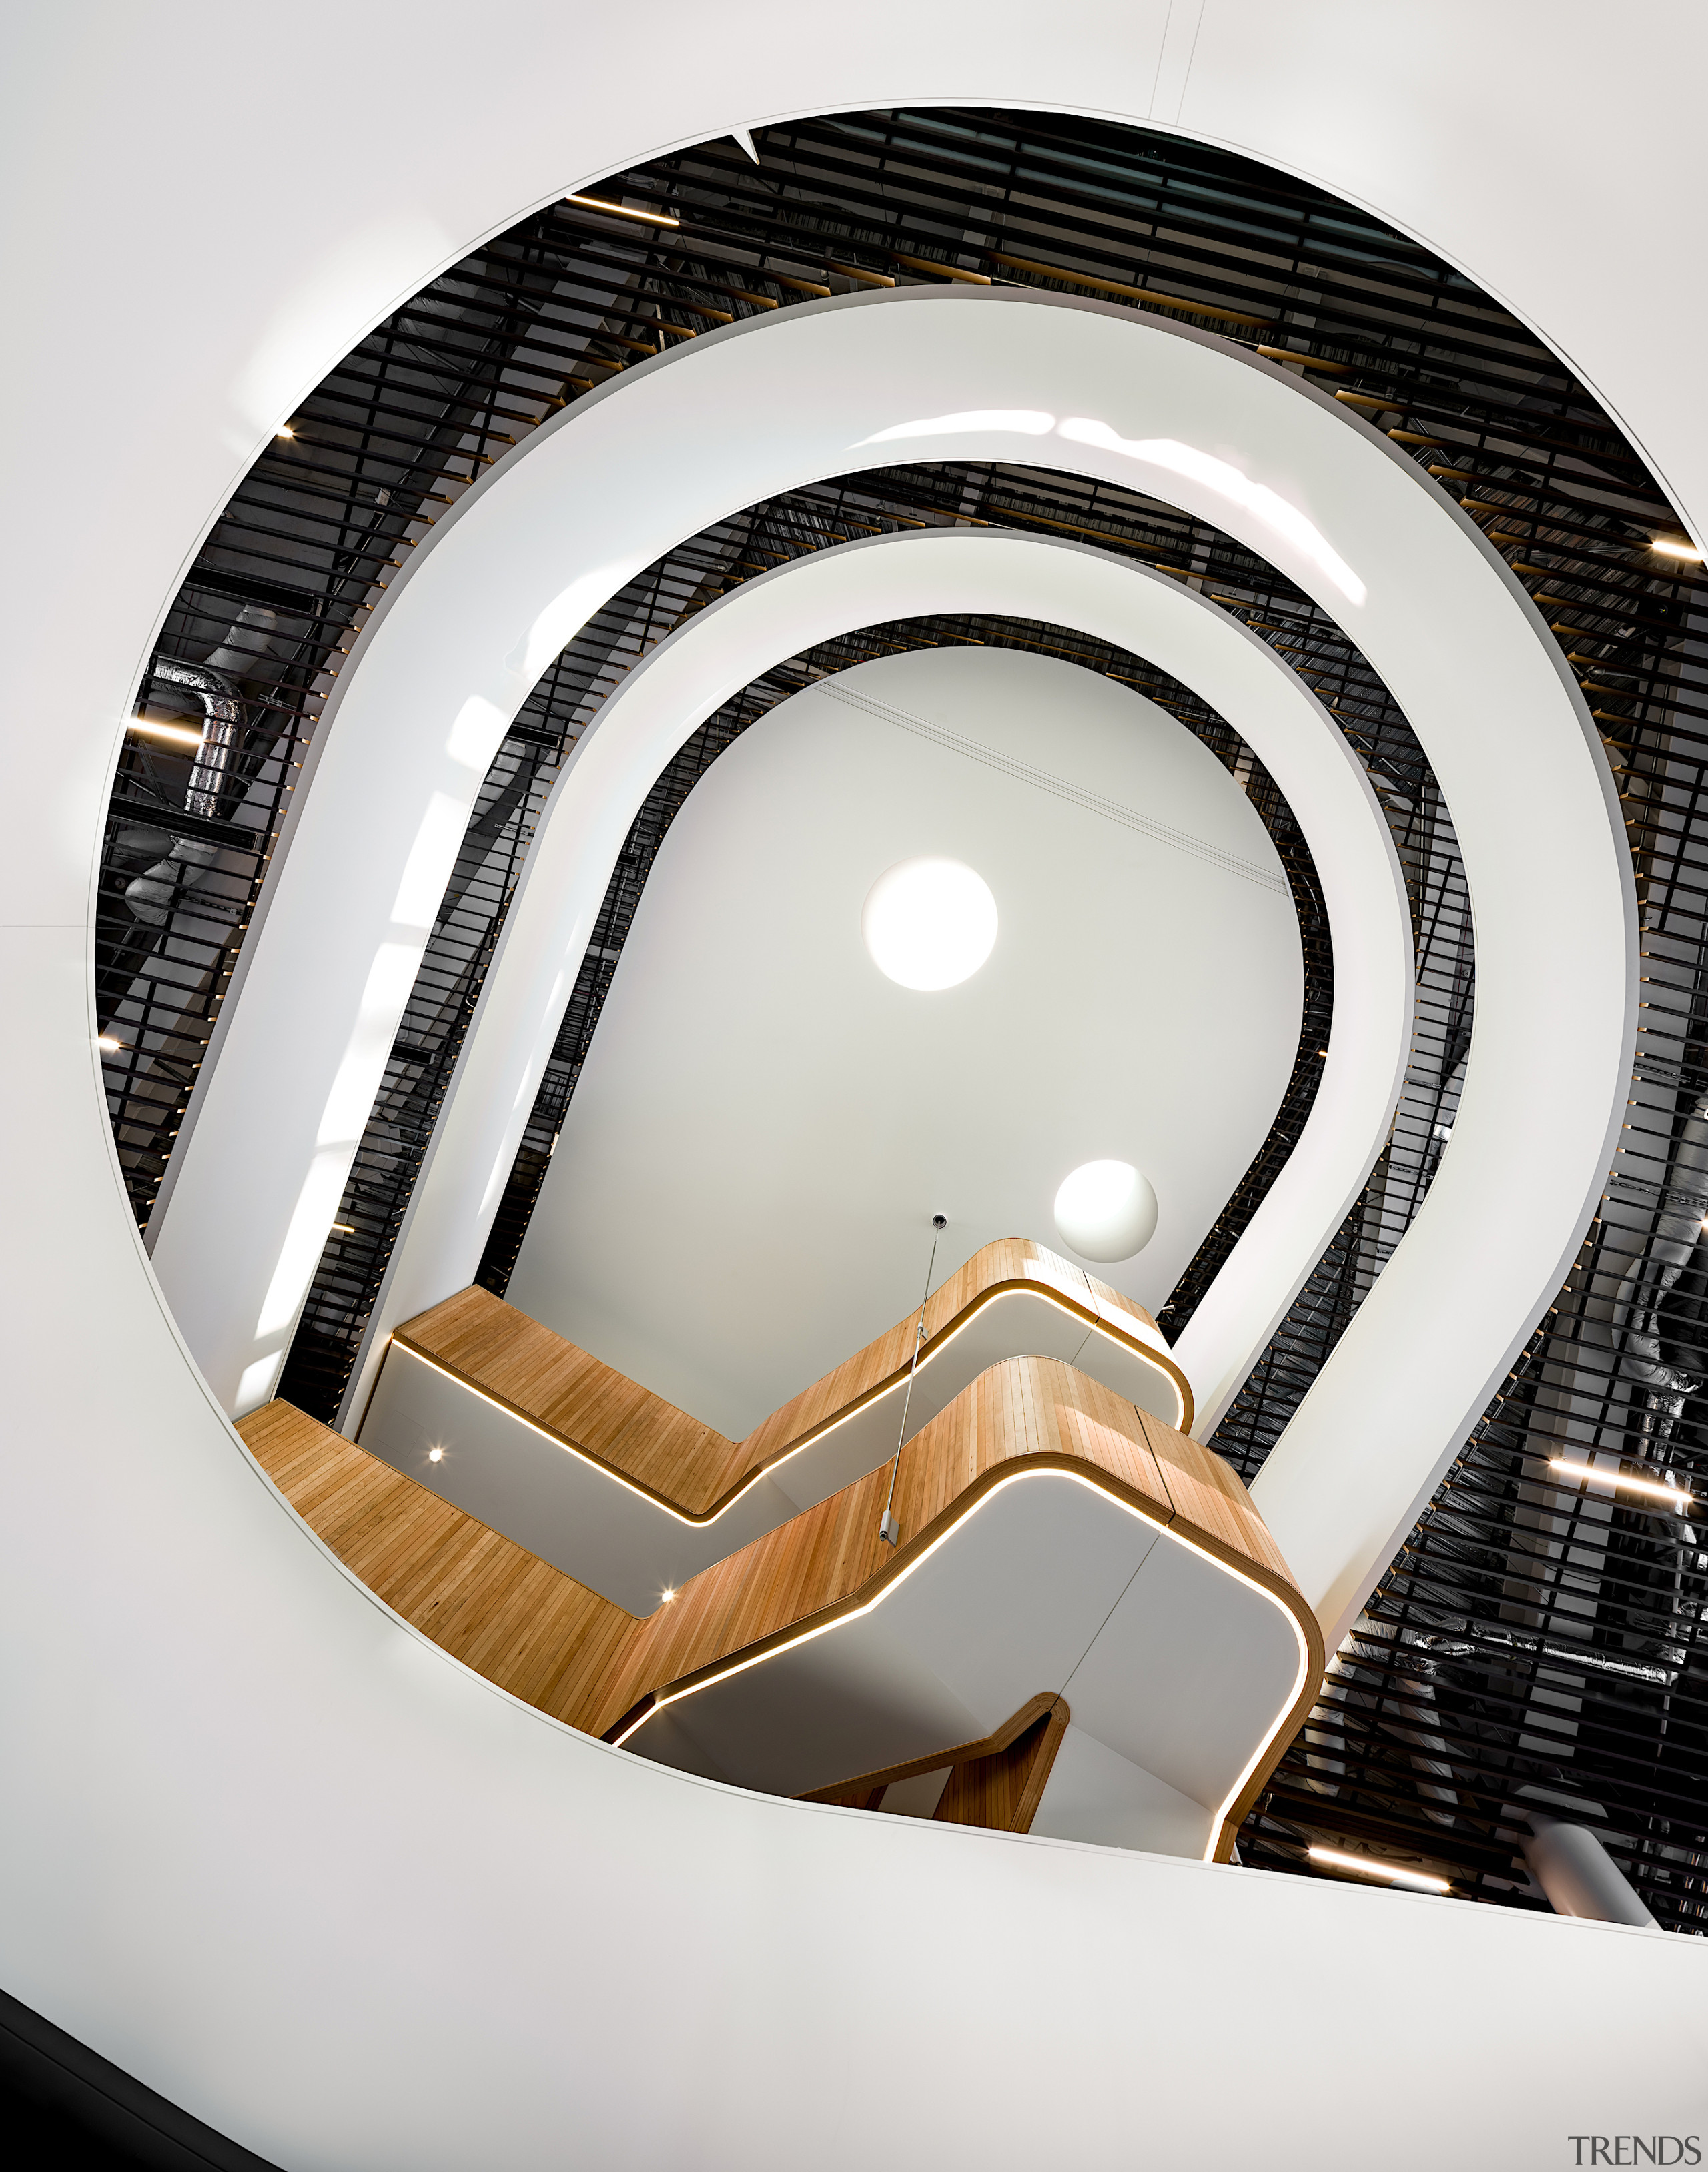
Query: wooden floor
550, 1641
489, 1602
684, 1463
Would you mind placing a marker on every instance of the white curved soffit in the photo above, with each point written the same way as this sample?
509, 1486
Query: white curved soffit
939, 572
972, 373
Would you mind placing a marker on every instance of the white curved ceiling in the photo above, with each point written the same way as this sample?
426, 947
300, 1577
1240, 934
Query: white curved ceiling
464, 632
754, 407
829, 593
251, 1792
764, 1123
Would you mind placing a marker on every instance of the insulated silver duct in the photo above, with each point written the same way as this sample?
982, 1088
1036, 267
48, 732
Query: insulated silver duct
213, 685
1410, 1699
222, 706
1646, 1281
248, 642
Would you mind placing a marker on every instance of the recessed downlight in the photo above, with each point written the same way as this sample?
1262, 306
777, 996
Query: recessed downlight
929, 923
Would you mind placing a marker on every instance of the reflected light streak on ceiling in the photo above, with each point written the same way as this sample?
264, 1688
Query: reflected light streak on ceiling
1030, 422
1168, 453
1227, 481
1673, 1497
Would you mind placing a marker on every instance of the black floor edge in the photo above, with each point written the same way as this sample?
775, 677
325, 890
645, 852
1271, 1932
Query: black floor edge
65, 2105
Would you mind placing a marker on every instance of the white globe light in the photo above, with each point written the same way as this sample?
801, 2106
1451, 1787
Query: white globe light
929, 923
1105, 1210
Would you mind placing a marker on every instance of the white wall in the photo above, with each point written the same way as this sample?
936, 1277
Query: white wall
765, 1125
277, 1856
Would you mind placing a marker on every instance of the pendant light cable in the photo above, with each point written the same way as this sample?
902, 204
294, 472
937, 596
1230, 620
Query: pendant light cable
888, 1528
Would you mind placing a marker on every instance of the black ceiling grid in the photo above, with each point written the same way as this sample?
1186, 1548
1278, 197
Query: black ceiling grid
1527, 1639
300, 554
1422, 1127
1529, 1643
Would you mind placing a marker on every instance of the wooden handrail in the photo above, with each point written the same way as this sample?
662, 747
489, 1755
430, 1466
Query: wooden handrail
998, 1783
828, 1561
687, 1466
1004, 1790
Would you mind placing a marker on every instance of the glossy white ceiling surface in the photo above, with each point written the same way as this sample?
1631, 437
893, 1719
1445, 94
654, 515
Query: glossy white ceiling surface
270, 1850
765, 1124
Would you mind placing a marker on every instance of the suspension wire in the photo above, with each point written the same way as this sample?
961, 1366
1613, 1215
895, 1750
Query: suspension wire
886, 1526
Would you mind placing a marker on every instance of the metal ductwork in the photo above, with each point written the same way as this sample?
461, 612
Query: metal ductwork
1406, 1701
212, 686
1579, 1876
155, 892
247, 644
1646, 1282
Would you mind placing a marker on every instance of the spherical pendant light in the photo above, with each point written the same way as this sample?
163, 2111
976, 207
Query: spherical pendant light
929, 923
1105, 1210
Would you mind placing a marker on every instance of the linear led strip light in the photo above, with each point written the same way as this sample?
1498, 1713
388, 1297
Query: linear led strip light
179, 734
1367, 1865
1671, 1497
811, 1440
1218, 1817
622, 211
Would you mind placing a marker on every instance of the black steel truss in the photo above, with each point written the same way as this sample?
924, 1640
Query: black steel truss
1532, 1636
